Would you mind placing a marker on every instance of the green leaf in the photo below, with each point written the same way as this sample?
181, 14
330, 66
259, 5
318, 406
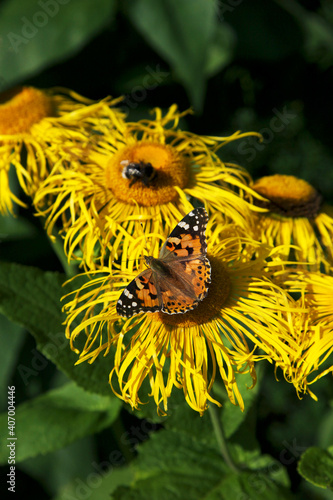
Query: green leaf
38, 34
182, 32
316, 466
175, 465
232, 416
56, 419
248, 485
56, 469
99, 484
31, 298
185, 461
259, 34
221, 49
318, 36
325, 430
15, 228
182, 418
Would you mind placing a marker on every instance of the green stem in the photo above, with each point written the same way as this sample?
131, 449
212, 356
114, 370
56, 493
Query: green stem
58, 246
220, 438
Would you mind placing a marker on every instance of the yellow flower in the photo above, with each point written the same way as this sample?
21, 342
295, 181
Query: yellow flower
30, 119
295, 217
313, 331
140, 177
244, 318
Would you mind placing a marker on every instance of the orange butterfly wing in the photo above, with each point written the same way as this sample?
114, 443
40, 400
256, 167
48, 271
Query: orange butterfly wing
178, 280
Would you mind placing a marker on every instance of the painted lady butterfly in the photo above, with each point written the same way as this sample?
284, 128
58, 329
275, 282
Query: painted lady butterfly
178, 280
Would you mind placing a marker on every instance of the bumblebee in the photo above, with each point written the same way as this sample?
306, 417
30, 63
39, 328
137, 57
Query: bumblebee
138, 171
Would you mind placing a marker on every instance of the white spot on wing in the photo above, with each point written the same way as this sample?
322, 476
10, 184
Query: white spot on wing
128, 294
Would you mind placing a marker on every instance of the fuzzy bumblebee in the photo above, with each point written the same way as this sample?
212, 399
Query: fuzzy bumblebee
138, 171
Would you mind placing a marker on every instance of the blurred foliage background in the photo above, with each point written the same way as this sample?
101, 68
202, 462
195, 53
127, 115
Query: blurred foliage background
263, 66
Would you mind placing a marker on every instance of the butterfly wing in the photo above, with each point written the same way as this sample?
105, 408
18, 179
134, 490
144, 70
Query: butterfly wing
140, 295
178, 280
187, 240
187, 286
184, 252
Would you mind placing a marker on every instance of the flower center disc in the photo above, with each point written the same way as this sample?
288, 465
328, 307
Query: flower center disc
132, 180
21, 107
287, 195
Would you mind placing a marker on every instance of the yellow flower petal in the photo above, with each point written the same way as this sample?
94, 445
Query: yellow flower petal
296, 219
313, 332
101, 210
30, 121
244, 318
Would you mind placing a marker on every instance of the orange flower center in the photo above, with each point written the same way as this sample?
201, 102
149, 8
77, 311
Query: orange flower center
146, 174
21, 107
210, 306
288, 196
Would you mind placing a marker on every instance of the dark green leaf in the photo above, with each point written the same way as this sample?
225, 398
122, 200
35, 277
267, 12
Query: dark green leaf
220, 50
99, 484
232, 416
173, 465
11, 339
316, 466
325, 430
259, 33
56, 419
56, 469
31, 298
14, 228
248, 486
38, 34
182, 32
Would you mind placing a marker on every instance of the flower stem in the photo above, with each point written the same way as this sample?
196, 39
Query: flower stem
220, 438
58, 246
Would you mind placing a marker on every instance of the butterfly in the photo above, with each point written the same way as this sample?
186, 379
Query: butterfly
178, 280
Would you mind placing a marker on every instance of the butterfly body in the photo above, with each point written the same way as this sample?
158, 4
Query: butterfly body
178, 279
